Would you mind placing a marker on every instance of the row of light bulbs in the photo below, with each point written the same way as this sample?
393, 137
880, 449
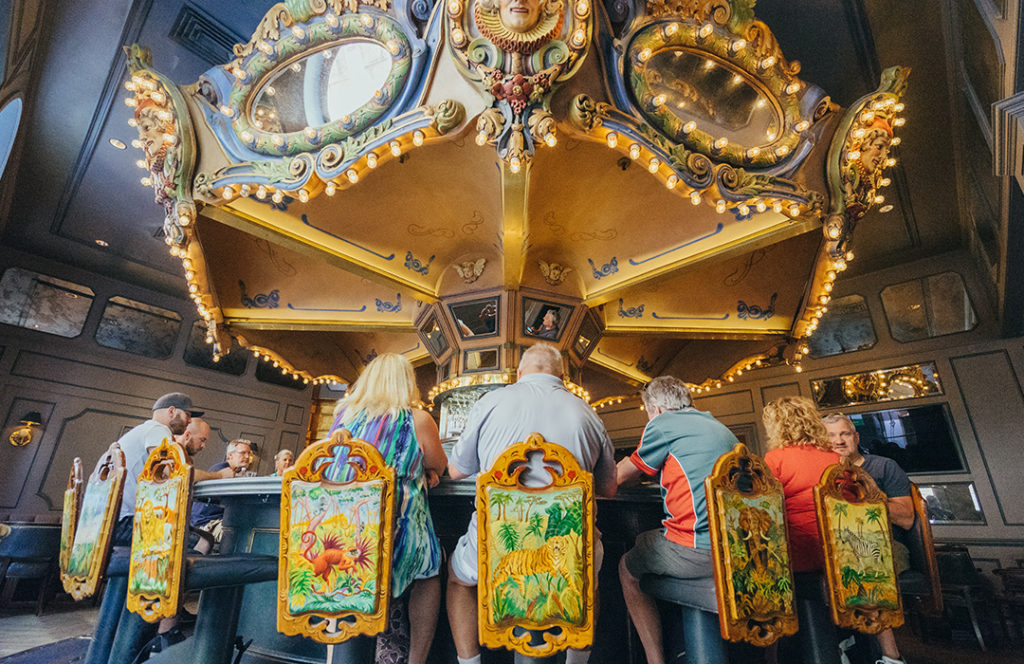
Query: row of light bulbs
654, 166
371, 160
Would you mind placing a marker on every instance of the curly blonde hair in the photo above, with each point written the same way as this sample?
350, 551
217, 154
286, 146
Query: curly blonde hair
795, 421
387, 385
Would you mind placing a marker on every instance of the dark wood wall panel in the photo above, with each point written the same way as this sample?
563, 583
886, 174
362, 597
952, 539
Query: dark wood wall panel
998, 422
124, 382
15, 462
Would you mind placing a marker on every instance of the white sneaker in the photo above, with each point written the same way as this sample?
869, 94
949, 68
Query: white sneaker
890, 660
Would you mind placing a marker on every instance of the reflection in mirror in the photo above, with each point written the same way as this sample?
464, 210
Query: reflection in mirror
138, 328
43, 303
588, 334
454, 411
480, 360
322, 87
844, 329
198, 353
478, 318
544, 320
909, 382
919, 439
433, 337
718, 97
952, 502
928, 307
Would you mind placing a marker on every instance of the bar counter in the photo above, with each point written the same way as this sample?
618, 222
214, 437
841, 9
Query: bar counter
251, 521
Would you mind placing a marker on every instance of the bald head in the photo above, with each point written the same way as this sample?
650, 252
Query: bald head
541, 358
196, 434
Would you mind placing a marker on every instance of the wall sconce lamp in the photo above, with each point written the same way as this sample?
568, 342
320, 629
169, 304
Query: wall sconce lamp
29, 427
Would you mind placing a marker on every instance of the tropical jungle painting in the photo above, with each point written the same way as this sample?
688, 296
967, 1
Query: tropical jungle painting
758, 558
83, 552
333, 546
535, 547
862, 551
67, 528
153, 537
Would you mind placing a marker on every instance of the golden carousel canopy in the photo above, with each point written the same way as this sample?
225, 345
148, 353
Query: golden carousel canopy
652, 191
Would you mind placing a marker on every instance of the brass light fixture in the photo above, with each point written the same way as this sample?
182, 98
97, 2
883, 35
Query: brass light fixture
26, 431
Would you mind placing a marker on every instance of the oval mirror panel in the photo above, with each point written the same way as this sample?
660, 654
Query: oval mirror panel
322, 87
720, 99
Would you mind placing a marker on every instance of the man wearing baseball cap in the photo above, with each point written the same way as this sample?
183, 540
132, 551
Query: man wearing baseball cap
171, 415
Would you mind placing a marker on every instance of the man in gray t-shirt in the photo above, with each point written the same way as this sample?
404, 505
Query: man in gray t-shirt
537, 402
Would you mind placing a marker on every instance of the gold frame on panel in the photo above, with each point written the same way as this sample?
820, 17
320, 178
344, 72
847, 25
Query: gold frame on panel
152, 544
69, 516
753, 617
108, 477
520, 563
845, 487
336, 626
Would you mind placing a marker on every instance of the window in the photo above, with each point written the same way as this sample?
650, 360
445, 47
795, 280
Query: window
846, 328
920, 439
47, 304
137, 327
928, 307
198, 353
952, 502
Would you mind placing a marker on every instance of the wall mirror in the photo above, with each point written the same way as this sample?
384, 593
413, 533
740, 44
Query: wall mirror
919, 439
928, 307
198, 353
43, 303
587, 336
952, 503
909, 382
433, 337
137, 327
322, 87
544, 320
845, 328
485, 359
476, 318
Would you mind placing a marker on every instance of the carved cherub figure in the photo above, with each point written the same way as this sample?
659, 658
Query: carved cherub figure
554, 273
470, 271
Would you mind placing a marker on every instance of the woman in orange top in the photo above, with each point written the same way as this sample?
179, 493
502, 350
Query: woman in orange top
800, 452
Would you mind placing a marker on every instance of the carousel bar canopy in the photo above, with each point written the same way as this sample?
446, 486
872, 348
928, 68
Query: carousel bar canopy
653, 191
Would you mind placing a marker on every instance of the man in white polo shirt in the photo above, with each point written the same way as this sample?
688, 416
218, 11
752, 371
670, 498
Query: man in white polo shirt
171, 416
537, 402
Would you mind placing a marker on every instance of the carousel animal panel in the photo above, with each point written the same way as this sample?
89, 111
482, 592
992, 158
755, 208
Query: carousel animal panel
534, 551
861, 546
853, 521
746, 519
334, 549
761, 582
85, 552
86, 560
334, 571
536, 565
153, 537
162, 504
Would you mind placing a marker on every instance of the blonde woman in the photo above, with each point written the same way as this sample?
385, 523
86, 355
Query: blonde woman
799, 452
380, 408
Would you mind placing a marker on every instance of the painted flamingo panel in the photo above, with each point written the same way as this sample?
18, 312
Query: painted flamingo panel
334, 547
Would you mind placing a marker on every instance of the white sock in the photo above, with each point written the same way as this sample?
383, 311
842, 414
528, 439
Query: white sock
577, 656
890, 660
475, 659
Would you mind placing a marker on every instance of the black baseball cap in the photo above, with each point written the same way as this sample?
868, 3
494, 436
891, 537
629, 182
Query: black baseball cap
180, 401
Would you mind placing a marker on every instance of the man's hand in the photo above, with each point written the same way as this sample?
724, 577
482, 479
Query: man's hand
627, 472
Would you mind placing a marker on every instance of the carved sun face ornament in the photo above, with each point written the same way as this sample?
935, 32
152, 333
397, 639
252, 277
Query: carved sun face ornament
518, 51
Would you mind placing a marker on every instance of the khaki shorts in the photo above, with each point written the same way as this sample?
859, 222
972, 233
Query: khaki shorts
464, 558
656, 554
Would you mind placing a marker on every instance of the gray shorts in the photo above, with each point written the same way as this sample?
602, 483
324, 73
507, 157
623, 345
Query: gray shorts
656, 554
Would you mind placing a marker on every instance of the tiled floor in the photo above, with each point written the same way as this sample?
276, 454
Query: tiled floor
21, 631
